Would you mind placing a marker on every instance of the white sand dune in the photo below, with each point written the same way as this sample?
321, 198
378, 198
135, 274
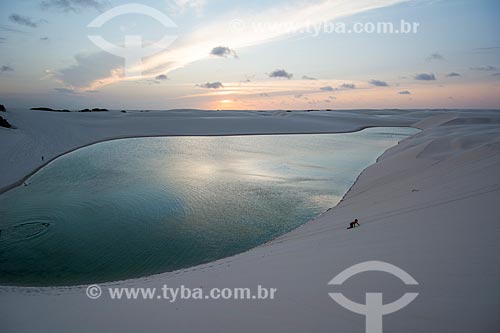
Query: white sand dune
429, 205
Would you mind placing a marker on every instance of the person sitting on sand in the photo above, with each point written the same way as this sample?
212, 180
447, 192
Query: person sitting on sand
353, 224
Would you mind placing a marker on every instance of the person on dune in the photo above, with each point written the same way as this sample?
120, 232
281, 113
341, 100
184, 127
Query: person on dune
353, 224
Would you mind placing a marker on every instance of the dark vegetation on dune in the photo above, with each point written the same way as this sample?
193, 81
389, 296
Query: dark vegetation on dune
66, 110
48, 109
93, 110
4, 123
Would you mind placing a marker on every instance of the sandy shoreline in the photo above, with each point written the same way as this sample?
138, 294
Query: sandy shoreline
429, 206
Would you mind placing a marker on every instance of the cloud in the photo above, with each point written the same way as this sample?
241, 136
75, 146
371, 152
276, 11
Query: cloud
379, 83
248, 79
65, 91
435, 56
211, 85
327, 88
495, 74
161, 77
5, 68
485, 68
425, 77
404, 92
348, 86
486, 49
183, 5
223, 51
453, 74
305, 77
2, 40
281, 73
73, 5
88, 68
25, 20
7, 28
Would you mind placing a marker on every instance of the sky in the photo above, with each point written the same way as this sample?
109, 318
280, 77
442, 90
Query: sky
241, 55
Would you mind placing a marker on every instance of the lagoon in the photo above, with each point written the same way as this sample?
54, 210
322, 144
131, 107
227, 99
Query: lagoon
130, 208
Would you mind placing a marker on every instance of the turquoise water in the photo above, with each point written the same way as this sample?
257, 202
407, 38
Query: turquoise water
135, 207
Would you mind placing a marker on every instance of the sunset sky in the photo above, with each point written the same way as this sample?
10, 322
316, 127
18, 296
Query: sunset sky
253, 55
